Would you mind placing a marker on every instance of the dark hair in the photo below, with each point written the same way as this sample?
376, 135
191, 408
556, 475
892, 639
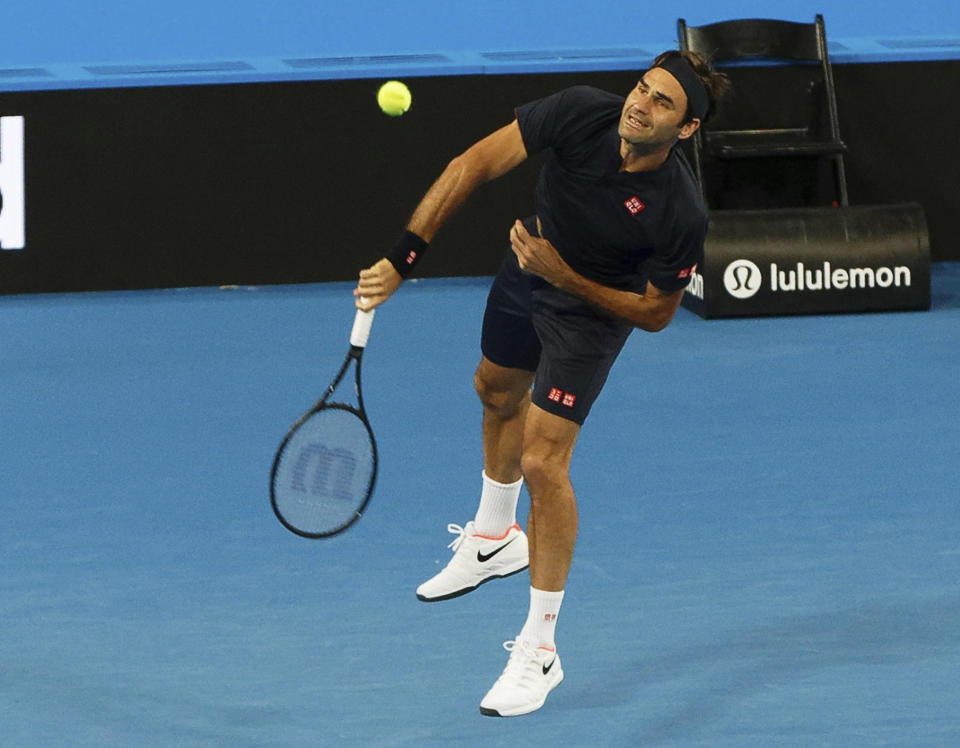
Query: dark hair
715, 83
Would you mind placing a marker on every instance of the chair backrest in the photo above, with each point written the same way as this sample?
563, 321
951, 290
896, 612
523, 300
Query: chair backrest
783, 84
752, 38
759, 40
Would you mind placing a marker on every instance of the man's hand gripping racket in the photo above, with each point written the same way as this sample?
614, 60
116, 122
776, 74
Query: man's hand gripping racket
326, 466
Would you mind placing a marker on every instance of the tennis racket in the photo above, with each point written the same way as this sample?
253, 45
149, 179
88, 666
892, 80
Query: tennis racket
325, 467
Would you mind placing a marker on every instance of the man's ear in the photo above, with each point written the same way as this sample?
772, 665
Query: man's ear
689, 129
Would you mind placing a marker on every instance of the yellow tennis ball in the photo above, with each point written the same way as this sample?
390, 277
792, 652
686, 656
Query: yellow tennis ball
394, 98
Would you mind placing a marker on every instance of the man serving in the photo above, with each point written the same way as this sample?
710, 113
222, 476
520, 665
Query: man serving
618, 228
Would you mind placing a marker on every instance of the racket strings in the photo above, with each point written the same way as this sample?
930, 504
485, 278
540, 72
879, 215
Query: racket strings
324, 474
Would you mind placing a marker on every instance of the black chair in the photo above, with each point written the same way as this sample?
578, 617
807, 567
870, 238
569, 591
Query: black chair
779, 124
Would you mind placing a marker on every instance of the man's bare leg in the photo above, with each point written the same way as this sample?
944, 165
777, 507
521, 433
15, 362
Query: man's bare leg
505, 394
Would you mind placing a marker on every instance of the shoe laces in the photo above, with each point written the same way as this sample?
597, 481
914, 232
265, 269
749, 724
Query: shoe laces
460, 532
518, 644
524, 662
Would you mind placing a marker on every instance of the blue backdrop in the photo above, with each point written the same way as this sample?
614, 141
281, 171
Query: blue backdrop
51, 43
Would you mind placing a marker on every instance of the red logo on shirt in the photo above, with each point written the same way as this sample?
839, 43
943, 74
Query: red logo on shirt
687, 272
634, 205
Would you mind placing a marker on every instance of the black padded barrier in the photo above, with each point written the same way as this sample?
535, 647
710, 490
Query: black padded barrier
254, 184
813, 261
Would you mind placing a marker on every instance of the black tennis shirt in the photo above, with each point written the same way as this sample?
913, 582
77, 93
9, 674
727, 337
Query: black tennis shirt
614, 227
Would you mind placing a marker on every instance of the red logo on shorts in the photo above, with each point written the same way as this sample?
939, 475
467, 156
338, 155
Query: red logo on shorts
634, 205
559, 396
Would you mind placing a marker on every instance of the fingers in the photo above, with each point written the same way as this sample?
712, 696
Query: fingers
519, 233
375, 285
535, 254
522, 244
371, 282
517, 243
369, 293
366, 303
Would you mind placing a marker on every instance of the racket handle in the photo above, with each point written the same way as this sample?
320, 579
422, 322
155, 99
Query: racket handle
361, 328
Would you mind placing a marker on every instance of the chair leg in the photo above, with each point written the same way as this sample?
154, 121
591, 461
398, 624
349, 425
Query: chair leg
841, 180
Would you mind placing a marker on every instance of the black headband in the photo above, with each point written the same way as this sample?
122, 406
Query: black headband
697, 98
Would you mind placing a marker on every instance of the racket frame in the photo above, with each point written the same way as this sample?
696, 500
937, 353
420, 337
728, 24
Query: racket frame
358, 341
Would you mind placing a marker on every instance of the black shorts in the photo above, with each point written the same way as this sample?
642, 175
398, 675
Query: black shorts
568, 343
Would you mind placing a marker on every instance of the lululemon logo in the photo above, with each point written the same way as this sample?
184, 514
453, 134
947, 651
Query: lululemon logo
742, 279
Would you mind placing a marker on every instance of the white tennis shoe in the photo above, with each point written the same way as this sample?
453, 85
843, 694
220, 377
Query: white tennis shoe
531, 673
476, 559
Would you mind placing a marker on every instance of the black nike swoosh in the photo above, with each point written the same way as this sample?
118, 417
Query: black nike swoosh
484, 558
546, 668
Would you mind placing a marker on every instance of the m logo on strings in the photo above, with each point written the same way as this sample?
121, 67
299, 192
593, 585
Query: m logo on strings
333, 472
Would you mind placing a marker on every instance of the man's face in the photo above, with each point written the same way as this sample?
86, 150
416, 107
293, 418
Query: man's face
654, 110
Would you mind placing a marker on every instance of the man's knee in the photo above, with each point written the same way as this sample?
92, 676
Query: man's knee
548, 443
536, 467
501, 390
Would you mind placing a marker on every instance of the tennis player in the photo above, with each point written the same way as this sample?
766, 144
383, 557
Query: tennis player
618, 230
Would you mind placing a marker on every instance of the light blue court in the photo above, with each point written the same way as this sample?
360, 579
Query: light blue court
769, 547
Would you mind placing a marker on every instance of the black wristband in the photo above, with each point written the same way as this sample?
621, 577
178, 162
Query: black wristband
406, 253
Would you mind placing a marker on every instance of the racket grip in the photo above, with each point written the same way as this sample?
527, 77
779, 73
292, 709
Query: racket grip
361, 328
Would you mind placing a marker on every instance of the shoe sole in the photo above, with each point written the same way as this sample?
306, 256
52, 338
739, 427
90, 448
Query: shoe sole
465, 590
488, 712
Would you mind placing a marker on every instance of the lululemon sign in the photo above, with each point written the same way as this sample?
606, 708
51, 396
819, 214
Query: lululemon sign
813, 261
12, 191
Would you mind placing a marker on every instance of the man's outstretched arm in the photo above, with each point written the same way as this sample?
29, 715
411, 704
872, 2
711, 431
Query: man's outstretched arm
486, 159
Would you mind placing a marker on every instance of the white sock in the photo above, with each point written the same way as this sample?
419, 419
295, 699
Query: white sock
542, 618
497, 512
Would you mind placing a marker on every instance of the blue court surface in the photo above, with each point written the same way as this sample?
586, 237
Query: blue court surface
769, 549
